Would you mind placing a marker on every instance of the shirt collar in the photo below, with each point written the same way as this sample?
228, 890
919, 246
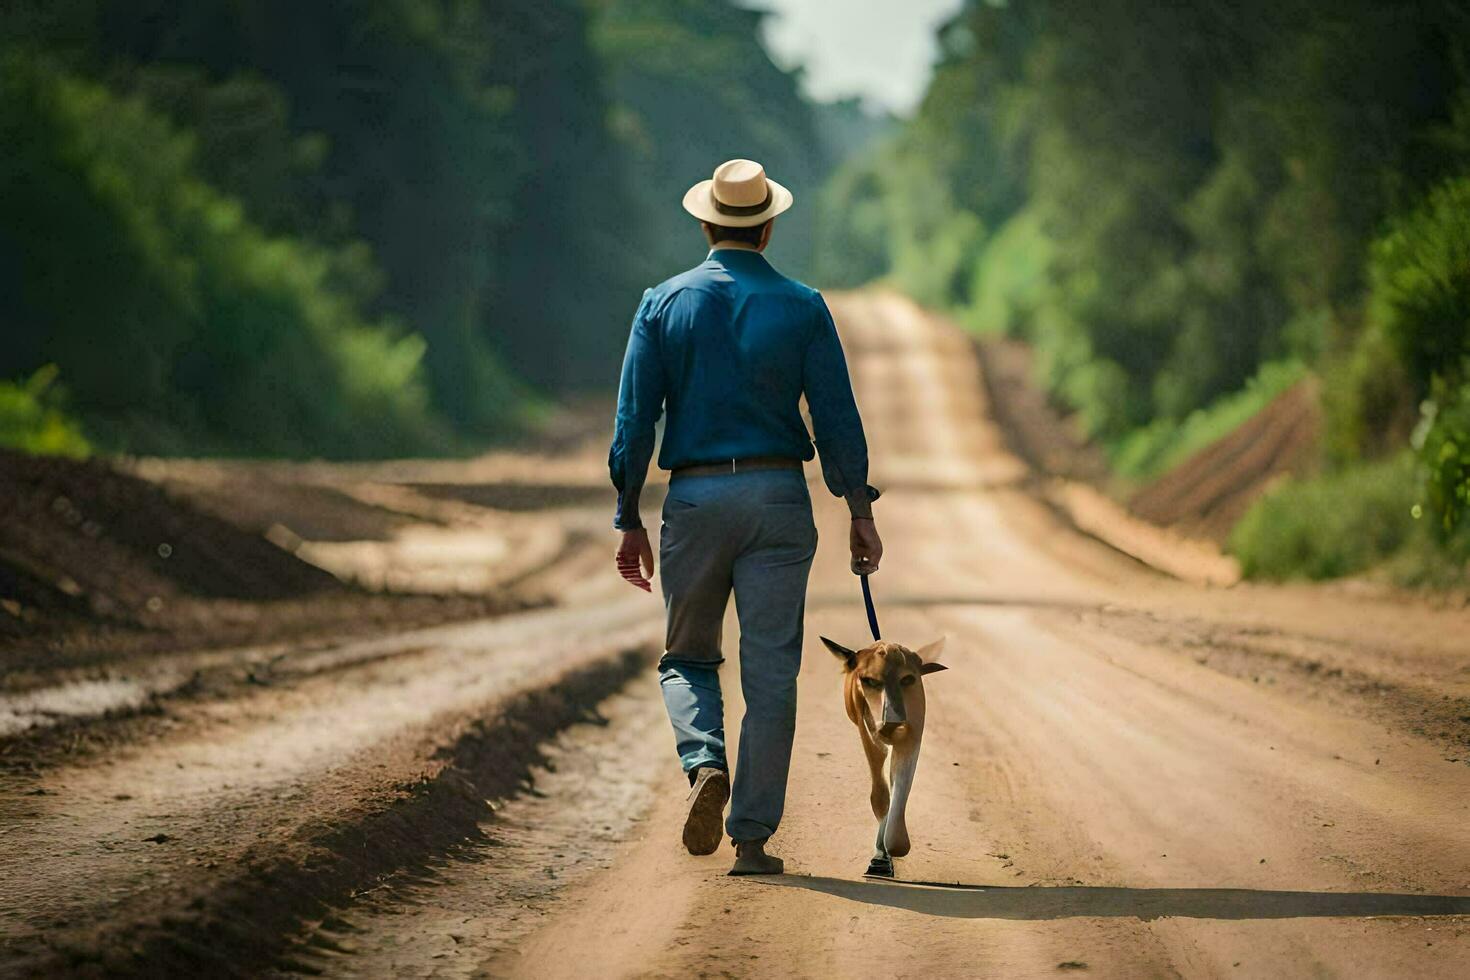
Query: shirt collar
726, 250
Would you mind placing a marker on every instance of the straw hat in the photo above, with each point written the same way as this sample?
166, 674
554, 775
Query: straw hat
739, 196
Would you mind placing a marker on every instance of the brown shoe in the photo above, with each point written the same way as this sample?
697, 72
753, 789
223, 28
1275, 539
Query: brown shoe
705, 824
751, 859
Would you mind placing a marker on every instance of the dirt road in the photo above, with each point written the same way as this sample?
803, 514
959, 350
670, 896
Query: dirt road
1130, 776
1150, 778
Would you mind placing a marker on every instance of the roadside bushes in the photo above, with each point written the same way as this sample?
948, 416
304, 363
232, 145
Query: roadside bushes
884, 214
1443, 442
1355, 520
1411, 361
1405, 513
1420, 275
1161, 445
1010, 278
1421, 301
1331, 525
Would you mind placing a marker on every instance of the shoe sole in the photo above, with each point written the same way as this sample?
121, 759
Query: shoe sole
770, 869
705, 824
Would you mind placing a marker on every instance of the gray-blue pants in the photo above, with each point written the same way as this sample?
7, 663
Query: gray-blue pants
751, 533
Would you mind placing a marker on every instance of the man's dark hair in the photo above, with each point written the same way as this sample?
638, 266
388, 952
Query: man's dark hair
750, 236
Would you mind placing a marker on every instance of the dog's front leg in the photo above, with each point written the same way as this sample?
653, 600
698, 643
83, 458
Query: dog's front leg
902, 767
881, 864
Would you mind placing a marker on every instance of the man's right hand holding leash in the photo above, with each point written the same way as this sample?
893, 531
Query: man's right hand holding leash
867, 547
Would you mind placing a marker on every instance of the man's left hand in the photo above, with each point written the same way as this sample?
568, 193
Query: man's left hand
635, 558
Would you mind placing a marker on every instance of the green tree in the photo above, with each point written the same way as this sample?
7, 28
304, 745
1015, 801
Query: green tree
693, 87
176, 321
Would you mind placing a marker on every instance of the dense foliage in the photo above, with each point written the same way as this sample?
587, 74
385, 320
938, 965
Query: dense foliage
1421, 303
175, 317
359, 227
1364, 516
1163, 198
693, 87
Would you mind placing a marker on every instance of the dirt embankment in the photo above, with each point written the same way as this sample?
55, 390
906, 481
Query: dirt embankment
96, 563
1033, 427
1200, 499
1208, 493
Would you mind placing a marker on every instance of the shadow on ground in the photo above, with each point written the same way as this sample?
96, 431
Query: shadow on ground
986, 902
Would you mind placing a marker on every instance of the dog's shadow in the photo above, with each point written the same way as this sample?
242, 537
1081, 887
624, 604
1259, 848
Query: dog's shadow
1009, 902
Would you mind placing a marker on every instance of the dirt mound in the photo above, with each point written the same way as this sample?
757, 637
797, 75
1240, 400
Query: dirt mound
259, 497
84, 541
1206, 494
97, 564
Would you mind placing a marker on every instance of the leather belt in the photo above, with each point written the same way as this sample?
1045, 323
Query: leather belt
732, 466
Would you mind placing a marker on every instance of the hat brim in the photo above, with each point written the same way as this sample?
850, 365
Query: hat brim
699, 201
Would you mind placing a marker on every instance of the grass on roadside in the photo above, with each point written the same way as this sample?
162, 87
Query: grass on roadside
1351, 521
1158, 447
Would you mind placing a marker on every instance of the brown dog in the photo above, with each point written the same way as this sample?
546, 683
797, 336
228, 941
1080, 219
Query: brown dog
885, 681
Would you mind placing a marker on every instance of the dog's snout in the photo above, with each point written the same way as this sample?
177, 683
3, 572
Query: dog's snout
895, 719
892, 730
893, 713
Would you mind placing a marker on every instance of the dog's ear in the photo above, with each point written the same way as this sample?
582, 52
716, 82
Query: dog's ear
848, 657
929, 656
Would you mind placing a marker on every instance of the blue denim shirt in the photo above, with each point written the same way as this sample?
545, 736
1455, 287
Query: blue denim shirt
729, 348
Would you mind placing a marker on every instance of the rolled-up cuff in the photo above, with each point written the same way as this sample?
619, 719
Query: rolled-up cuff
860, 501
627, 517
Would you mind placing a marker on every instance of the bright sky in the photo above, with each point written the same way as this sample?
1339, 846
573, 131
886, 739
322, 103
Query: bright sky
881, 50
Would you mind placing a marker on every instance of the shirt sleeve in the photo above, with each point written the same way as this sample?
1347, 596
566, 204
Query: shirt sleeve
640, 403
837, 428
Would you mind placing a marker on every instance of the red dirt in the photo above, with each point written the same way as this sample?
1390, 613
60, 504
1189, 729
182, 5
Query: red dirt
1206, 494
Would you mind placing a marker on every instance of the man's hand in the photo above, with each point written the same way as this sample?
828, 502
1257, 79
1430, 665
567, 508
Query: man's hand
867, 547
635, 551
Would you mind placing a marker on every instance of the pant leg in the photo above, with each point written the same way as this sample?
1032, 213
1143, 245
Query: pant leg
770, 580
695, 565
697, 711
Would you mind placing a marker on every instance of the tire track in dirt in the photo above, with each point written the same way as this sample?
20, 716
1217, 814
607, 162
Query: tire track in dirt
202, 850
589, 797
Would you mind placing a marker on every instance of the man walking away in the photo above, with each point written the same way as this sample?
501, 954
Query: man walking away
728, 349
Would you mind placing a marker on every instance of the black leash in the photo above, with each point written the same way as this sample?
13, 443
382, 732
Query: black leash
873, 494
872, 613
